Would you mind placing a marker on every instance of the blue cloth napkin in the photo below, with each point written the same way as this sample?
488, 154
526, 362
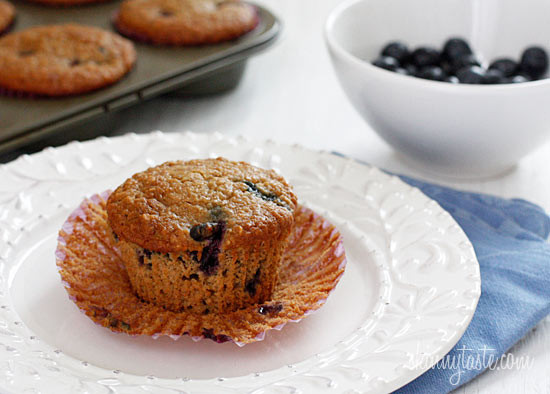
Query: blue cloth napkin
509, 237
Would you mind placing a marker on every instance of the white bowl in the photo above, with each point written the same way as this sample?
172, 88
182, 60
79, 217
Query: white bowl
466, 131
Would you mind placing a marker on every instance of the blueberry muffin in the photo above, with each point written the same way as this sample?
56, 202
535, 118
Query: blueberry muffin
185, 22
60, 60
205, 236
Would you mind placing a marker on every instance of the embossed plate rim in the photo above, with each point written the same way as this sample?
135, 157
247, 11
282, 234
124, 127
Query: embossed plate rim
438, 310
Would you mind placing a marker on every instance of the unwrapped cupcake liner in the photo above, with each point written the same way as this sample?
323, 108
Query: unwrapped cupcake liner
95, 278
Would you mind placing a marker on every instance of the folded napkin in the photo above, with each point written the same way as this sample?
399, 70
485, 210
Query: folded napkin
509, 237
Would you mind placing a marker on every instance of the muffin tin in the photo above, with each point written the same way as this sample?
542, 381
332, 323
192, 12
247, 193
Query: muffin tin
159, 69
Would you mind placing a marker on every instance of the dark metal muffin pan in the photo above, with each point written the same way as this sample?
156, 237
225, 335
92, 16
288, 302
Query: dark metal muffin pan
158, 70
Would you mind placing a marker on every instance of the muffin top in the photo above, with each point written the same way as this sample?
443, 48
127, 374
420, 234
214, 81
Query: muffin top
58, 60
185, 22
171, 207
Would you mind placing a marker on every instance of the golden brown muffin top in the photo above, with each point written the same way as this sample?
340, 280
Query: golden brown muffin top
168, 207
186, 22
58, 60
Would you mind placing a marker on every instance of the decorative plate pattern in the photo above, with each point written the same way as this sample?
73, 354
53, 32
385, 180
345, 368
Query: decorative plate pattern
422, 269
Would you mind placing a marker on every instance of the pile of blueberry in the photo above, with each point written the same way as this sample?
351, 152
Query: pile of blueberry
456, 63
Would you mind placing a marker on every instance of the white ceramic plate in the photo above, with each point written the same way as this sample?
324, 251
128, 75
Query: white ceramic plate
409, 291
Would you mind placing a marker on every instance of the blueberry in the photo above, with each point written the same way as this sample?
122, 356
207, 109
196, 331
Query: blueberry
387, 63
270, 308
202, 232
456, 48
452, 79
213, 232
402, 71
534, 62
493, 77
425, 56
467, 60
470, 75
523, 76
446, 66
208, 333
506, 66
396, 50
518, 79
250, 286
411, 69
433, 73
265, 194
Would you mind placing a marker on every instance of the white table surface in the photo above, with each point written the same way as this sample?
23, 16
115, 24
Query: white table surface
290, 94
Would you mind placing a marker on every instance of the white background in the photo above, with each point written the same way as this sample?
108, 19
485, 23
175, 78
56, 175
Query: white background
290, 94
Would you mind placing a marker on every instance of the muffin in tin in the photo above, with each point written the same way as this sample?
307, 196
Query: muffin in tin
62, 60
206, 236
185, 22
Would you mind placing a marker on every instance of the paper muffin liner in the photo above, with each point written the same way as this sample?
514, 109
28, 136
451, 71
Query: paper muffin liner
96, 280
